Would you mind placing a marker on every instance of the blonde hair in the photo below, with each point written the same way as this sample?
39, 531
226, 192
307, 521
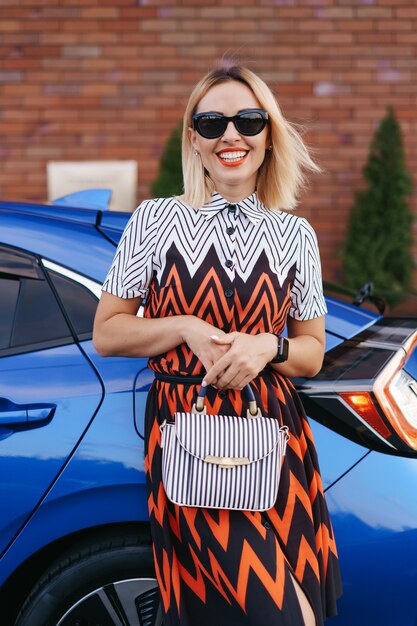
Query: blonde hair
282, 172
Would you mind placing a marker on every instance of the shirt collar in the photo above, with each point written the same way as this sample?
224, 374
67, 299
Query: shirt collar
251, 206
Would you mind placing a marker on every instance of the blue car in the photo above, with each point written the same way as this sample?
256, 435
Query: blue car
75, 547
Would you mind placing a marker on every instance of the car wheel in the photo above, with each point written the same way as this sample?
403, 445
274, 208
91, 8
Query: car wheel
109, 583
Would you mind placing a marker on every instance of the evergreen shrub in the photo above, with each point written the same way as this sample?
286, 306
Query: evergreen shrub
378, 244
169, 181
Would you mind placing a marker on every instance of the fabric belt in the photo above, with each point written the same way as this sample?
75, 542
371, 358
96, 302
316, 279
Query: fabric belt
179, 378
183, 379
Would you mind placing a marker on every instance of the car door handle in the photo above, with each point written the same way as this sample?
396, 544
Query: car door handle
11, 418
20, 416
40, 413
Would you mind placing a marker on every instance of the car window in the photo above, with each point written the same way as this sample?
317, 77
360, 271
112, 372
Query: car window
18, 263
79, 303
37, 315
30, 316
9, 289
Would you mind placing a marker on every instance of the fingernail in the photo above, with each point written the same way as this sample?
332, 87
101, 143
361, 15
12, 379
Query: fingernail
204, 384
214, 336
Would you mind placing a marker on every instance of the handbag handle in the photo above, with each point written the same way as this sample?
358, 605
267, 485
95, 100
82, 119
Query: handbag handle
253, 411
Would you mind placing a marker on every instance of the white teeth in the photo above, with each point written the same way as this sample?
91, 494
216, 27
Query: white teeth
232, 156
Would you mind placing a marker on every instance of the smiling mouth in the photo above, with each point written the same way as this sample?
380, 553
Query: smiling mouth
232, 158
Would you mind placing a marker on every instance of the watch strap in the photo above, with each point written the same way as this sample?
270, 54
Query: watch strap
282, 349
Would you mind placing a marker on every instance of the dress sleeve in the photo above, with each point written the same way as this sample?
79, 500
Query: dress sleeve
307, 292
131, 271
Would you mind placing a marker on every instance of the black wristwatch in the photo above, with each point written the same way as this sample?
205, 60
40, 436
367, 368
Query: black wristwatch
282, 349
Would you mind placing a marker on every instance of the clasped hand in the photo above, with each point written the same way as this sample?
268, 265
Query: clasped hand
231, 360
245, 357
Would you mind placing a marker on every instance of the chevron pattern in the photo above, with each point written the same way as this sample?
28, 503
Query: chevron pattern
228, 560
244, 268
160, 230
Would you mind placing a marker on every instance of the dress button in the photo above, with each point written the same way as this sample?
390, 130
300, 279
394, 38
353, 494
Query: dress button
230, 230
231, 208
267, 525
222, 394
229, 263
228, 292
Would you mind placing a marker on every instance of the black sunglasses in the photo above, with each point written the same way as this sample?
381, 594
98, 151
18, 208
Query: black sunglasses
213, 125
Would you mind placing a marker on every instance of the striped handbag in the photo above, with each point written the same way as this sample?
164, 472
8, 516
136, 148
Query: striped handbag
222, 461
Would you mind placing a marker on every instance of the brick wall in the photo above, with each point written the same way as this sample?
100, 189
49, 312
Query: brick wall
108, 79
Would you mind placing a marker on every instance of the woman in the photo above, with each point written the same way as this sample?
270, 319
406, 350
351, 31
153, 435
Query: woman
224, 269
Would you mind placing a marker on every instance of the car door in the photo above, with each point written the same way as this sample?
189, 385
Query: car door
49, 391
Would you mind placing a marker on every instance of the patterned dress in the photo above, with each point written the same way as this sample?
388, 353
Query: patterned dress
241, 267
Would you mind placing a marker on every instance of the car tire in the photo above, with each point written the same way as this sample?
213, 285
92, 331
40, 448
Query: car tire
106, 583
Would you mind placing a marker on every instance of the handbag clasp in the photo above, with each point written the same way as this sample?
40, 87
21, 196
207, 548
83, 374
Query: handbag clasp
227, 462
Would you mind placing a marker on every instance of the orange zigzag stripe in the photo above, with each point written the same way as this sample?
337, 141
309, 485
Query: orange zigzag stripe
174, 521
158, 508
263, 289
176, 579
272, 309
316, 486
307, 430
282, 382
164, 580
221, 529
279, 392
211, 297
154, 441
189, 514
283, 525
197, 584
169, 574
325, 543
250, 561
256, 519
173, 396
298, 445
306, 555
263, 301
262, 307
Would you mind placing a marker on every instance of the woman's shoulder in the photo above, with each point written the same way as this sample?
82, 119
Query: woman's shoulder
291, 227
162, 206
289, 219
